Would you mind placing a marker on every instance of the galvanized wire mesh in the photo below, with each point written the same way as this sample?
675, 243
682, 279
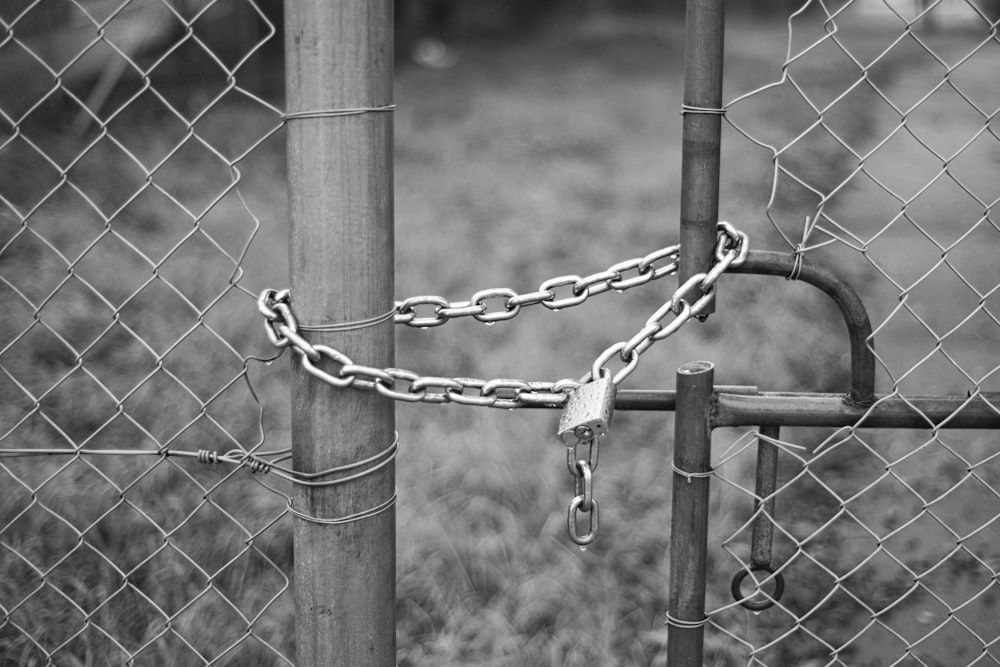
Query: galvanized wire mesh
128, 133
885, 168
128, 345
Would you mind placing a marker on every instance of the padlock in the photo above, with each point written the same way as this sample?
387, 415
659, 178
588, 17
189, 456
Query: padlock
587, 414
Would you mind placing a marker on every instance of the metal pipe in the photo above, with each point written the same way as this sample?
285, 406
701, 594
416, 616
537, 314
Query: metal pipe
689, 515
859, 327
745, 406
790, 409
763, 528
764, 486
663, 399
699, 214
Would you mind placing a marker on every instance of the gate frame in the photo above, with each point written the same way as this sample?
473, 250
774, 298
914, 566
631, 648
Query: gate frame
339, 71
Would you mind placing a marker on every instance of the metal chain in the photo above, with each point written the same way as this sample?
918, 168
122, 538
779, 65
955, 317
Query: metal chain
283, 331
582, 470
580, 289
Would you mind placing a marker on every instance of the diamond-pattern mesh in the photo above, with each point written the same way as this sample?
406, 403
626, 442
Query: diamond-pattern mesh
129, 138
128, 134
885, 161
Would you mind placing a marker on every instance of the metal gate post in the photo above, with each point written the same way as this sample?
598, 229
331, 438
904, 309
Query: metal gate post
339, 131
689, 515
703, 55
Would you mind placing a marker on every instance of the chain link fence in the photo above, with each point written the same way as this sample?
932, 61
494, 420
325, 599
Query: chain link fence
138, 147
887, 540
128, 142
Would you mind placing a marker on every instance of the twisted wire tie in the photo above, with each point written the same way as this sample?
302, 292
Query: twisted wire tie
797, 265
800, 248
687, 625
691, 475
258, 465
208, 456
688, 109
212, 457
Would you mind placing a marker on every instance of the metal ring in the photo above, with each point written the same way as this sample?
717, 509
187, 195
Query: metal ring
565, 302
641, 278
574, 507
298, 343
504, 388
596, 283
680, 295
339, 357
266, 298
458, 397
584, 485
779, 588
593, 450
605, 357
507, 313
670, 251
405, 308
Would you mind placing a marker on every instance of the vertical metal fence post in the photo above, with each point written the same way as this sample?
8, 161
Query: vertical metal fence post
339, 56
689, 515
766, 482
703, 51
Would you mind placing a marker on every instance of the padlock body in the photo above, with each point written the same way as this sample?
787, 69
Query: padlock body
588, 411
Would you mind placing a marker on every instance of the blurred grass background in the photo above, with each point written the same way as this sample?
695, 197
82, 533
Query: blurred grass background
537, 153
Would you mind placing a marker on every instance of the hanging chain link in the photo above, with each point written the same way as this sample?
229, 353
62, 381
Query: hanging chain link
403, 385
582, 469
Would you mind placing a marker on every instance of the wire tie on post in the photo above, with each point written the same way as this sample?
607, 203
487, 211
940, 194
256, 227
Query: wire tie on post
687, 109
797, 265
384, 458
334, 113
350, 326
350, 518
800, 248
692, 475
686, 625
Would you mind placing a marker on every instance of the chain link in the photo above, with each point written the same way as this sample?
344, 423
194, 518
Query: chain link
580, 289
582, 470
497, 304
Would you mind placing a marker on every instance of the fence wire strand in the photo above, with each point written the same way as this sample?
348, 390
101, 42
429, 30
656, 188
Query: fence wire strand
886, 540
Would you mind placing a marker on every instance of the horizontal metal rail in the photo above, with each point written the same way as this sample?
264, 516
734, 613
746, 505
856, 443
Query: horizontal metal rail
664, 400
892, 411
745, 406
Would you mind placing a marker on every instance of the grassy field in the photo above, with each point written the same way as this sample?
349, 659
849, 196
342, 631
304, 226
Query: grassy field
554, 153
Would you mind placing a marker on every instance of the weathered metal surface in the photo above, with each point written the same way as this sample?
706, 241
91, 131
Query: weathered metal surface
689, 514
791, 409
703, 60
859, 327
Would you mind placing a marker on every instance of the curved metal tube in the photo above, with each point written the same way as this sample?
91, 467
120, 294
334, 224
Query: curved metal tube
859, 326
